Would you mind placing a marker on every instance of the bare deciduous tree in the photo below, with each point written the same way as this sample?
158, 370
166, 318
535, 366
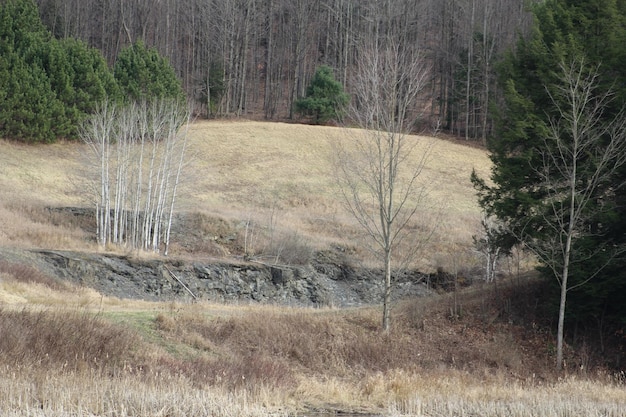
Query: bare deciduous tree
379, 177
581, 155
269, 49
488, 246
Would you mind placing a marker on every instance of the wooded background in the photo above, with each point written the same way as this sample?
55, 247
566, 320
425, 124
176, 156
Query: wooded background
254, 58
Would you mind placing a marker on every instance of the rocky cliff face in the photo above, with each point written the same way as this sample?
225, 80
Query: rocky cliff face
327, 281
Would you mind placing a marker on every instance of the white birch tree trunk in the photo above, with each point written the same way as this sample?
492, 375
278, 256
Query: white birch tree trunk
135, 202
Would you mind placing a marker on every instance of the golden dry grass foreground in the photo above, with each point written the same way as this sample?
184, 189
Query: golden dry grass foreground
68, 351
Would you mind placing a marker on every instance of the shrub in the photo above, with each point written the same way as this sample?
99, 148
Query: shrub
30, 275
62, 338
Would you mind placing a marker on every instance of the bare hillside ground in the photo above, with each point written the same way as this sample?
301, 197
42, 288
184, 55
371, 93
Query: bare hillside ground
256, 170
244, 181
254, 187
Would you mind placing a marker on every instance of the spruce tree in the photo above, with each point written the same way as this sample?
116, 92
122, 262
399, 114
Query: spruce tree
325, 99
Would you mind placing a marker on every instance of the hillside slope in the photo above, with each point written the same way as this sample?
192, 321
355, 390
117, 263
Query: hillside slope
264, 175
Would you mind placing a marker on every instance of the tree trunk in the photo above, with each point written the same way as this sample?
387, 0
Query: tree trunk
468, 74
387, 293
571, 225
269, 50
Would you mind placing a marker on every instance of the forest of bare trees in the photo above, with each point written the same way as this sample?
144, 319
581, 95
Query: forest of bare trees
254, 58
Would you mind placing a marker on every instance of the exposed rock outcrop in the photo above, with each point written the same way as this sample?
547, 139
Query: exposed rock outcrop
327, 281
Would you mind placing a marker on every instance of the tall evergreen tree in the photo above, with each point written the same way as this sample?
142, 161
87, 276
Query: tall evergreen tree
28, 106
81, 79
48, 86
20, 25
565, 31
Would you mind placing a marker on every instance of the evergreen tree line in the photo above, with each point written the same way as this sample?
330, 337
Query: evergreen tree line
257, 57
48, 85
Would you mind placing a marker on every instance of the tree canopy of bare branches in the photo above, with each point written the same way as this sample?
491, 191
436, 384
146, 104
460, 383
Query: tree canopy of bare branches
266, 51
379, 172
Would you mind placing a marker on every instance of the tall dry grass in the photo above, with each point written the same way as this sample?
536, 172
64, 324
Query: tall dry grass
74, 341
34, 392
265, 189
128, 358
212, 360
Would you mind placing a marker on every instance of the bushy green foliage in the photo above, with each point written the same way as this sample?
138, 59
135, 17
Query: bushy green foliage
325, 99
28, 106
142, 73
565, 30
47, 86
20, 26
80, 77
27, 103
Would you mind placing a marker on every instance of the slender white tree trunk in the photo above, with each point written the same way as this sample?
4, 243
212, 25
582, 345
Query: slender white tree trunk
135, 203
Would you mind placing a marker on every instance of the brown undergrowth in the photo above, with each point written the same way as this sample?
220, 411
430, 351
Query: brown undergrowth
481, 338
465, 353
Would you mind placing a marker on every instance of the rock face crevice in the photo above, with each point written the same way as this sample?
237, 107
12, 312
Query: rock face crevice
324, 282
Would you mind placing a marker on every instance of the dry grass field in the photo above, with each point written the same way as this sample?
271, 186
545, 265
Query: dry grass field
69, 351
272, 174
256, 170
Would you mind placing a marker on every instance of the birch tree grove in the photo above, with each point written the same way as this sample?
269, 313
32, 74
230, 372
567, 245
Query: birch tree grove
137, 155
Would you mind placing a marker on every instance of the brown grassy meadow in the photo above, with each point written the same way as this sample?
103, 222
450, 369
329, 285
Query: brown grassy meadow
69, 351
261, 173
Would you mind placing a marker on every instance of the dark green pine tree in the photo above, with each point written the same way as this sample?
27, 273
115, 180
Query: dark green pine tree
564, 30
142, 74
48, 86
20, 26
28, 106
81, 79
325, 98
93, 79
